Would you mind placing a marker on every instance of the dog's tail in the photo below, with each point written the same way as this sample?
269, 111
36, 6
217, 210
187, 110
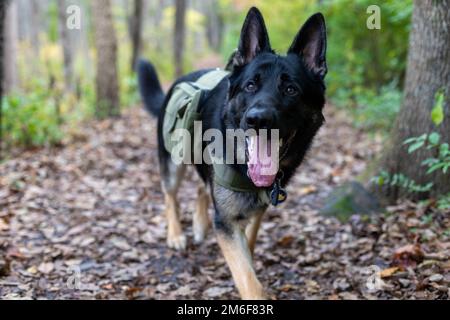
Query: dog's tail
150, 87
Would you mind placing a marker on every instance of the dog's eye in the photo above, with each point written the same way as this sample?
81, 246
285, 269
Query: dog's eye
251, 87
291, 91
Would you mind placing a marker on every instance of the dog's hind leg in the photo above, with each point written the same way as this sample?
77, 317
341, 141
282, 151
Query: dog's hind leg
201, 220
171, 183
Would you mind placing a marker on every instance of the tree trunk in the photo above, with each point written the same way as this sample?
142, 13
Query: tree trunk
35, 21
107, 77
3, 5
428, 71
214, 26
135, 29
66, 43
179, 37
11, 79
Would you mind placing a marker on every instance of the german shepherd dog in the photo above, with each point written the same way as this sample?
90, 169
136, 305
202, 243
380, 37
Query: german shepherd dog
263, 90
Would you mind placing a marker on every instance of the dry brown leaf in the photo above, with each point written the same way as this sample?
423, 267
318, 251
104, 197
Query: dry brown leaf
3, 225
286, 241
308, 190
386, 273
408, 256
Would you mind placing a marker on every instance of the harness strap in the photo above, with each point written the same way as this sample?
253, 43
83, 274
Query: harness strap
211, 79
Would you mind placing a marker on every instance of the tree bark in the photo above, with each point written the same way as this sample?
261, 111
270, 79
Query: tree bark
428, 71
66, 43
11, 79
135, 29
3, 7
107, 84
179, 36
214, 26
35, 20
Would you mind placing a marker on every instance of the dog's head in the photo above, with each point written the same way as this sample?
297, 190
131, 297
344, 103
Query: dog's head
270, 91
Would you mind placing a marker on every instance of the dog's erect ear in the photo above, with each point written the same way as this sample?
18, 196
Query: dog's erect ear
254, 38
311, 44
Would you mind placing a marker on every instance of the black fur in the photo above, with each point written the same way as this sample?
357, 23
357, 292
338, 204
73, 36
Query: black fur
290, 88
150, 87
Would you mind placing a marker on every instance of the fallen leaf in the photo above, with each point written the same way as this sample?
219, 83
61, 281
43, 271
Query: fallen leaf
386, 273
216, 292
32, 270
183, 291
286, 241
131, 293
120, 243
408, 256
46, 267
3, 225
308, 190
436, 278
287, 287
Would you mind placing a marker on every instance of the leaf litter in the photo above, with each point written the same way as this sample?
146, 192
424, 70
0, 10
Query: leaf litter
85, 221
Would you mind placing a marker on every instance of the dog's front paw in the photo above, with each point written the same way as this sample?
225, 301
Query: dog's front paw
177, 242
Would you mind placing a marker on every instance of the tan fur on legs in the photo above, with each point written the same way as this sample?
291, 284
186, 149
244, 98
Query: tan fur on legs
252, 231
238, 257
170, 184
201, 220
175, 237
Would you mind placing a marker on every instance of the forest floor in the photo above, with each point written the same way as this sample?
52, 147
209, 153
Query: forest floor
85, 221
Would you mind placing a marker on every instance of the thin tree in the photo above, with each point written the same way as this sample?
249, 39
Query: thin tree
214, 25
135, 30
428, 72
66, 43
179, 35
11, 34
35, 21
107, 84
3, 7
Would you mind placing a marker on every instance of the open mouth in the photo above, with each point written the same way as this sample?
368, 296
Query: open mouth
263, 159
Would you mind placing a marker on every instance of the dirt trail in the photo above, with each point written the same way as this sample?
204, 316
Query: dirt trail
84, 221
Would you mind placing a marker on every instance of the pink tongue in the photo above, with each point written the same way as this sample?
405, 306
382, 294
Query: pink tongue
263, 163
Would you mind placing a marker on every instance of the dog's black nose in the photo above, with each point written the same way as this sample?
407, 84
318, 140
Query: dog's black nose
260, 118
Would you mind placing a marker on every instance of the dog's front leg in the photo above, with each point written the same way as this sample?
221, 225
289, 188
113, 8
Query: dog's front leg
252, 230
233, 243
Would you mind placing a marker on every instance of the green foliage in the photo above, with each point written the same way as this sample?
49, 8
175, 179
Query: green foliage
437, 114
52, 15
377, 111
443, 203
400, 180
361, 59
368, 65
30, 121
439, 162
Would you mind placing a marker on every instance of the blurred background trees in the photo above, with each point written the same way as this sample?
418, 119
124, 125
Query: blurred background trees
179, 36
11, 38
55, 77
3, 5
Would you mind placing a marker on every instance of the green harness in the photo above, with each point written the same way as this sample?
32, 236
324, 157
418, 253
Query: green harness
182, 112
